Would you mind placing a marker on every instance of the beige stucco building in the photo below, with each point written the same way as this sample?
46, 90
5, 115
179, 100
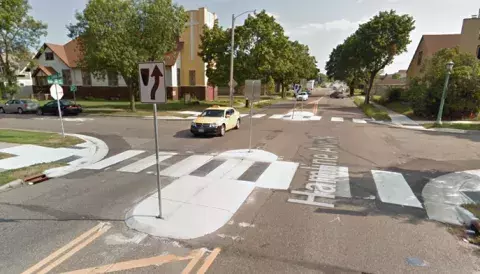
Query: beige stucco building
468, 41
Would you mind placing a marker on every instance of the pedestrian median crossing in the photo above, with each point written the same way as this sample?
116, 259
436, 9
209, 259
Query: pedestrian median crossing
389, 187
266, 174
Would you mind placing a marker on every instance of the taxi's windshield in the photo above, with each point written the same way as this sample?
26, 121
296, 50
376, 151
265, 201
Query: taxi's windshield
212, 113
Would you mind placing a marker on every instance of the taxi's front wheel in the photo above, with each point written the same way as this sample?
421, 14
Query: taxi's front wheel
237, 126
222, 130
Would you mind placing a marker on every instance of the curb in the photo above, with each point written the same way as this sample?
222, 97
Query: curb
466, 217
13, 184
101, 150
421, 128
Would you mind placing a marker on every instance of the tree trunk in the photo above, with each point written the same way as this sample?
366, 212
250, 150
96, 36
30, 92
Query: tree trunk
370, 84
351, 86
131, 92
283, 90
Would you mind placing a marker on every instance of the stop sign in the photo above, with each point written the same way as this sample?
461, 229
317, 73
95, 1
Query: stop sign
56, 89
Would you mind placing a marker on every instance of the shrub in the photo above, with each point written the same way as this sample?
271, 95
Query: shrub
394, 94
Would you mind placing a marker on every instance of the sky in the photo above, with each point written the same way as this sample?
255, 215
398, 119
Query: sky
320, 24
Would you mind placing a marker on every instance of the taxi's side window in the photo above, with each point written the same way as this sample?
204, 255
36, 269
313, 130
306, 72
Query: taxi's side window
229, 112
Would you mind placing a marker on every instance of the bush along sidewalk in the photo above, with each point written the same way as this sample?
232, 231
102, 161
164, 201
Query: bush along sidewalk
370, 110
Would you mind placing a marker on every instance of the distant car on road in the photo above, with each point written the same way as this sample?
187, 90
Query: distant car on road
302, 96
19, 106
215, 121
66, 108
337, 95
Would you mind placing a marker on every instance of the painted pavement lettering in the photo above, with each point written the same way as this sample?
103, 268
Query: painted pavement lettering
324, 175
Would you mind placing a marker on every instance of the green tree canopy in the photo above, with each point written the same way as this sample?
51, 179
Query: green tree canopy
19, 32
262, 51
116, 35
370, 49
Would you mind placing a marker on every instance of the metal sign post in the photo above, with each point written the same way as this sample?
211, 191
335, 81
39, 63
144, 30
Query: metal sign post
73, 89
294, 107
56, 92
159, 184
153, 91
256, 86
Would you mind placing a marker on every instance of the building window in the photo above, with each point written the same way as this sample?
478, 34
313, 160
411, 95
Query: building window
67, 77
420, 56
49, 56
112, 79
41, 80
86, 78
191, 77
178, 77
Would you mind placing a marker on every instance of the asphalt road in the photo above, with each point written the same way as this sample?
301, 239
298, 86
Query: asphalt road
269, 233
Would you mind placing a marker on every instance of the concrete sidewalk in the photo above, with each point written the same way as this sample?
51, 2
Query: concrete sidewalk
397, 118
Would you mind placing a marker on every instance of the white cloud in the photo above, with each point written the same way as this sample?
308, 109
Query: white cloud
342, 24
389, 1
274, 14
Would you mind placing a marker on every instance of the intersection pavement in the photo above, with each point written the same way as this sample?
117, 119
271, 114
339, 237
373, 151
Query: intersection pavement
372, 221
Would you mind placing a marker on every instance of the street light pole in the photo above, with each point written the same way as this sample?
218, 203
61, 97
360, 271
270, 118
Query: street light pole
444, 93
231, 53
231, 60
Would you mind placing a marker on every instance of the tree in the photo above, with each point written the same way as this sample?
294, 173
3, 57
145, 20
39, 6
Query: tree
115, 35
262, 51
214, 51
396, 76
18, 32
322, 78
379, 40
344, 64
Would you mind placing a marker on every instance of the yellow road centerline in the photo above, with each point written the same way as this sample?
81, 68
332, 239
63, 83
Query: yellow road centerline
127, 265
66, 247
193, 262
208, 261
74, 250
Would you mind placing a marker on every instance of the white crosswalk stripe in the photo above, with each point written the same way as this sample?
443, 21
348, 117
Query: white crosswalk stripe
146, 162
392, 188
278, 175
337, 119
258, 115
359, 121
186, 166
115, 159
276, 116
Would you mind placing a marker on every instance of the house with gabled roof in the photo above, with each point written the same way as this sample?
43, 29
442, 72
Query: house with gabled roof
185, 71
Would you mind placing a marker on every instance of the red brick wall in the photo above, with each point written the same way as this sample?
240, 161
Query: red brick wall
108, 93
121, 93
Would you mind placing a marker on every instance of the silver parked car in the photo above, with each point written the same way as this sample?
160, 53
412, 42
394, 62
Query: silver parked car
19, 106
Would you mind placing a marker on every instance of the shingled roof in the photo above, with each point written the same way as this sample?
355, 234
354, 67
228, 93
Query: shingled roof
71, 54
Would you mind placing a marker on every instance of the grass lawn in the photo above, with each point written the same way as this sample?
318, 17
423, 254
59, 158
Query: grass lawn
456, 126
122, 108
38, 138
5, 155
22, 173
370, 110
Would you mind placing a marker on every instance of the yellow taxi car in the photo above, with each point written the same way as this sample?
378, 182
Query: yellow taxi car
216, 120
